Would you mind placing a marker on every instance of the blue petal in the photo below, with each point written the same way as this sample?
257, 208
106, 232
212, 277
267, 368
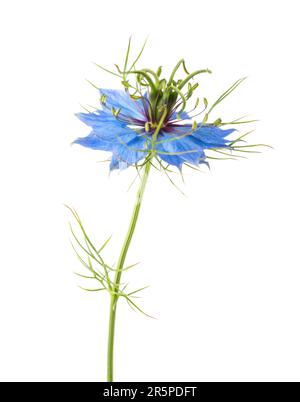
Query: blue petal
212, 136
132, 152
185, 149
171, 159
118, 98
105, 128
93, 141
96, 118
114, 163
111, 134
207, 136
117, 164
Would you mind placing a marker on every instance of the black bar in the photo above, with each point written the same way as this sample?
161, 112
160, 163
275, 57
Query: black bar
103, 391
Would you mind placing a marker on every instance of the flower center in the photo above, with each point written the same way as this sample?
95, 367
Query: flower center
150, 126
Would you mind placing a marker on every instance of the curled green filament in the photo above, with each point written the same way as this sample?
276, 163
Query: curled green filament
192, 75
147, 77
175, 70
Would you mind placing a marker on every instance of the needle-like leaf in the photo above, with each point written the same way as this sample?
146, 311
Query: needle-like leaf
92, 290
138, 290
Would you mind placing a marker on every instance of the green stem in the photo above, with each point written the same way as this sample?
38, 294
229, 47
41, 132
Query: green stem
120, 265
115, 291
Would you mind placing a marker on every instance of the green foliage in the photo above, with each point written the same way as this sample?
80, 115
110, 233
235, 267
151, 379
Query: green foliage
90, 256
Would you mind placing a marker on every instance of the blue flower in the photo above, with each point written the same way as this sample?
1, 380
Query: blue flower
125, 127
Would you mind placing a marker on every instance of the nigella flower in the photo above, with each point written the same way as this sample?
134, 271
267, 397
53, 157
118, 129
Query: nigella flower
125, 127
149, 117
145, 122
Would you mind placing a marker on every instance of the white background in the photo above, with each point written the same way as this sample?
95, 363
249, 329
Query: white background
222, 262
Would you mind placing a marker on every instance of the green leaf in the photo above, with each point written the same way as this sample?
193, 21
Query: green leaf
138, 290
138, 308
92, 290
104, 244
84, 276
108, 71
93, 85
226, 93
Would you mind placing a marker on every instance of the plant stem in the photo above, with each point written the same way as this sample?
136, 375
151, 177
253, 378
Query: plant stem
115, 291
120, 265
